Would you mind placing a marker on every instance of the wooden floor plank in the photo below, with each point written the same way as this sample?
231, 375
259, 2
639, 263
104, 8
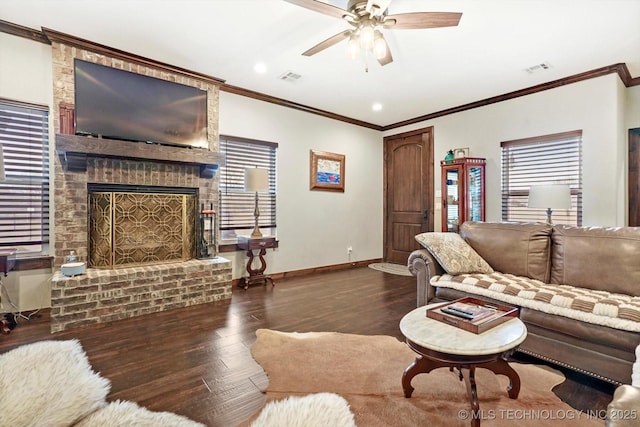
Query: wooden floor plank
196, 361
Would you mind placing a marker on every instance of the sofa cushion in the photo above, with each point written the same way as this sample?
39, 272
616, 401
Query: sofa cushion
587, 305
48, 383
453, 254
523, 249
599, 339
597, 258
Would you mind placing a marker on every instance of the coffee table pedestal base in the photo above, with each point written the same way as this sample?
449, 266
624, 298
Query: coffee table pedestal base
428, 360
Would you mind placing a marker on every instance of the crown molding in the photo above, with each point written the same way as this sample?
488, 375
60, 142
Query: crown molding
58, 37
20, 31
47, 36
620, 68
290, 104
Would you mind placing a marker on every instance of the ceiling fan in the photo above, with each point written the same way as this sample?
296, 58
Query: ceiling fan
367, 17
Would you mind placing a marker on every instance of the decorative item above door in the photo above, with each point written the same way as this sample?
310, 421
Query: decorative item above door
459, 153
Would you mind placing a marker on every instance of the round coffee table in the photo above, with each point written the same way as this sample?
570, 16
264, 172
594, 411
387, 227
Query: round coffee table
441, 345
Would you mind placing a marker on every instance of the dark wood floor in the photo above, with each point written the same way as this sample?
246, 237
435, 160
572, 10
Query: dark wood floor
196, 361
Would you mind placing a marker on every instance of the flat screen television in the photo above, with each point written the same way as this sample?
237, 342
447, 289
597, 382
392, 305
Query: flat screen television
119, 104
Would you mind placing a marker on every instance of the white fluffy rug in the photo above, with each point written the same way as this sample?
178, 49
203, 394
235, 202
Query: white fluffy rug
635, 373
49, 383
123, 413
387, 267
52, 384
313, 410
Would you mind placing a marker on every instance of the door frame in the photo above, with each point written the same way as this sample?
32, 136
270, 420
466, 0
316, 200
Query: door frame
429, 184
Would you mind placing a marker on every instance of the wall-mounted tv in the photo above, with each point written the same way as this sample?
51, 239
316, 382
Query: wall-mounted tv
118, 104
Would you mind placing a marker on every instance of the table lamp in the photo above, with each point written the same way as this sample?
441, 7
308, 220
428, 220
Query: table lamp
551, 196
255, 180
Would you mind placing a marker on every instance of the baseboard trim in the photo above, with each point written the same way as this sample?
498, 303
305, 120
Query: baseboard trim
314, 270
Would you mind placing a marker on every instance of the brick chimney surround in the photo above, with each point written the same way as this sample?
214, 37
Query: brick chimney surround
103, 295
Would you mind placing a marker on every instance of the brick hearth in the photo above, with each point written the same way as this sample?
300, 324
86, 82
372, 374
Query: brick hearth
107, 295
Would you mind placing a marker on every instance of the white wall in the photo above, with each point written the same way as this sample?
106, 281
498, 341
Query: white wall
25, 75
25, 70
592, 105
632, 107
314, 227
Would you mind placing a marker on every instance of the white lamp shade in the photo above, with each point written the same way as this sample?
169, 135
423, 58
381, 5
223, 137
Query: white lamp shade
2, 176
256, 179
553, 196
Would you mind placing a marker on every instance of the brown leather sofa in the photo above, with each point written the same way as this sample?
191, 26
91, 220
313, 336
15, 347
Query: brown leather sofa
579, 296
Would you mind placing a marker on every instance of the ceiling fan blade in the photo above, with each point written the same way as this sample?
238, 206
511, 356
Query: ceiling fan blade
387, 58
318, 6
328, 43
419, 20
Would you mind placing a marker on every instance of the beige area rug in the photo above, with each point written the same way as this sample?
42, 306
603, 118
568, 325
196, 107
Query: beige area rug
390, 268
367, 371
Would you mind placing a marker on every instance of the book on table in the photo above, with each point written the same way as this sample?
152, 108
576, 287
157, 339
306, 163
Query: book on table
469, 311
472, 314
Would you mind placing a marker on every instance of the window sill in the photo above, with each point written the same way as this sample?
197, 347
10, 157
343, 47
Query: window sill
32, 262
36, 262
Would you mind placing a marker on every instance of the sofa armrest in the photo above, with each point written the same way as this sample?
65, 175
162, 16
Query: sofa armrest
624, 409
422, 265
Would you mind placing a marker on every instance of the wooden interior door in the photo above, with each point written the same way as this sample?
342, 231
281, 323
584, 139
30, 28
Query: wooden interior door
408, 184
634, 177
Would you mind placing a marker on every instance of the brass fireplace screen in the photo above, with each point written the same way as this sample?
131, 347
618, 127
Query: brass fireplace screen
131, 229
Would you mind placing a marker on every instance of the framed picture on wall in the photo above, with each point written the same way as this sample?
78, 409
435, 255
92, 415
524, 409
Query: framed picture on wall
326, 171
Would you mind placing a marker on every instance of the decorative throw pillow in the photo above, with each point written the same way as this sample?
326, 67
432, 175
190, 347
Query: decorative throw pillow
48, 383
453, 253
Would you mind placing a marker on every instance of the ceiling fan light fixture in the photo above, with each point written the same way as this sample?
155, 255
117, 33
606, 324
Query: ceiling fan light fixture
380, 47
354, 46
367, 17
367, 35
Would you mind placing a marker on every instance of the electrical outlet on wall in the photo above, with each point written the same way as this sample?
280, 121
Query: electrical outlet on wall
349, 250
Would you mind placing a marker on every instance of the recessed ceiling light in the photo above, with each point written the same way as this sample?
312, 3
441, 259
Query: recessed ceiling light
376, 107
260, 68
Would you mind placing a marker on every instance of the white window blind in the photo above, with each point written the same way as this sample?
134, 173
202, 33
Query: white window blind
24, 195
236, 205
549, 159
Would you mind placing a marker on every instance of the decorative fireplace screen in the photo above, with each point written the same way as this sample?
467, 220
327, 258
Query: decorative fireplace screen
129, 229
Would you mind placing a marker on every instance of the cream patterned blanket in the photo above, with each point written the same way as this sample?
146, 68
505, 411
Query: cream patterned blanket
587, 305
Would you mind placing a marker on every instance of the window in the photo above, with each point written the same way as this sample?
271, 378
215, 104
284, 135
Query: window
24, 195
550, 159
236, 205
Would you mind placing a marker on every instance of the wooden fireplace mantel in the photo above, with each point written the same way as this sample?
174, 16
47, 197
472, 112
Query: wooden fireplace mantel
74, 150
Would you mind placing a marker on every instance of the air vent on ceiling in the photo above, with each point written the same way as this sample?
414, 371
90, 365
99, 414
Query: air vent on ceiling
538, 67
290, 76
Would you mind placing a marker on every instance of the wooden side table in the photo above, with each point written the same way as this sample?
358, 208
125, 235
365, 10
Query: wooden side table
261, 245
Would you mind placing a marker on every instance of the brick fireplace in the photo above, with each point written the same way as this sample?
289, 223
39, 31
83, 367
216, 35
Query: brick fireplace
107, 294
